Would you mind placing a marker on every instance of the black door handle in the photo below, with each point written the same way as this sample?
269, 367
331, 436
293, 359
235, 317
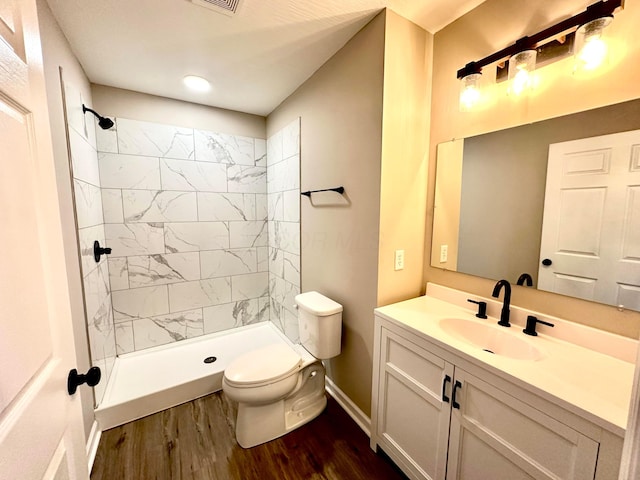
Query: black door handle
446, 380
92, 378
546, 262
455, 404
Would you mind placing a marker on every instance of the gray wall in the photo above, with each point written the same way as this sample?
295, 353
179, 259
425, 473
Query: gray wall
341, 126
151, 108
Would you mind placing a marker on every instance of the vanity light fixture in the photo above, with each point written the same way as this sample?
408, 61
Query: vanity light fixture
589, 48
196, 83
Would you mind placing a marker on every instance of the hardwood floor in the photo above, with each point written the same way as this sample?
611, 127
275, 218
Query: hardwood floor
196, 441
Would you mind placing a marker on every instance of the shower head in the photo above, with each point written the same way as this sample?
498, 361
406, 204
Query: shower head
105, 123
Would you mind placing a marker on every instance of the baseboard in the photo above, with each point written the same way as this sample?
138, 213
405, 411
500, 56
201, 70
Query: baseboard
92, 444
347, 404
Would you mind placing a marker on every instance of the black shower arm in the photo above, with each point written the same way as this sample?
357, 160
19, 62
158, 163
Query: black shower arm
86, 109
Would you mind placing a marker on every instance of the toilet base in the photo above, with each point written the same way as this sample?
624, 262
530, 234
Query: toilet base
256, 424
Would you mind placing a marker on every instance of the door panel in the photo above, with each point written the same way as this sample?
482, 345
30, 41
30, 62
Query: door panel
491, 466
631, 236
26, 339
411, 424
580, 233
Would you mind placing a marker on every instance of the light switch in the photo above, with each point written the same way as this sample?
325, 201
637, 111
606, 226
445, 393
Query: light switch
444, 252
399, 259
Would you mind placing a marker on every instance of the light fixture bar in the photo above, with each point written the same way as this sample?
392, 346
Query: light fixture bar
597, 10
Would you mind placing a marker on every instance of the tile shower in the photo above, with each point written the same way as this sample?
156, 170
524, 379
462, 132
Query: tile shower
283, 206
204, 229
90, 227
186, 216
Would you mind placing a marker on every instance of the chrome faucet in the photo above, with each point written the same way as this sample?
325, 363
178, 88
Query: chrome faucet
504, 314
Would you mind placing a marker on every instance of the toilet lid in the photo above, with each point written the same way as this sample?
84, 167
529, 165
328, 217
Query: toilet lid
263, 365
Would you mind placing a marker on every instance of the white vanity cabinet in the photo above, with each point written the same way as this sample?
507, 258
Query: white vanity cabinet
439, 416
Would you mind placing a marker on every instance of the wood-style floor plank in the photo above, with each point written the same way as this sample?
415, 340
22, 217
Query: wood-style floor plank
196, 441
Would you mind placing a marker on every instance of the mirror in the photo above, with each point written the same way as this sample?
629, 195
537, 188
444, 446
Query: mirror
490, 206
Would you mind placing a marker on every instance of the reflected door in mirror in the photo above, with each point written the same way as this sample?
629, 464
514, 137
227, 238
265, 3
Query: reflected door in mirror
591, 227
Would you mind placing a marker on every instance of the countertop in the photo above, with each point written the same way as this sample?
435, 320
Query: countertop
588, 383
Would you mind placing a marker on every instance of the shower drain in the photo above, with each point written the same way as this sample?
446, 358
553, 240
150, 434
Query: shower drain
210, 359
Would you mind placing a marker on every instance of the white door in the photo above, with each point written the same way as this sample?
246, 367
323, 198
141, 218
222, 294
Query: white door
591, 226
40, 424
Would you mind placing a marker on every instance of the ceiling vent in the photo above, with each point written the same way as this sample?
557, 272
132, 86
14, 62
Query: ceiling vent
226, 7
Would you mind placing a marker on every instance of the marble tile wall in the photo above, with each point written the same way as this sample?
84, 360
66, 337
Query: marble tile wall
185, 213
90, 225
283, 206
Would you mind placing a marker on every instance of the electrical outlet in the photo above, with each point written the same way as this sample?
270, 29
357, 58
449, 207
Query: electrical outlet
444, 252
399, 259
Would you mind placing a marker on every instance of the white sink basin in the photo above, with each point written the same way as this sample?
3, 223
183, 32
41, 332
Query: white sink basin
494, 340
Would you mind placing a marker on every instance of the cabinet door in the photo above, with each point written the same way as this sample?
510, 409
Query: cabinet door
413, 420
495, 436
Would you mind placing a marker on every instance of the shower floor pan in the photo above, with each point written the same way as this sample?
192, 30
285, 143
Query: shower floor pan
158, 378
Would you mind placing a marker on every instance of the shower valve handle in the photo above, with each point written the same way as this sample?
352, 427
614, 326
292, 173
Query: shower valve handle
98, 251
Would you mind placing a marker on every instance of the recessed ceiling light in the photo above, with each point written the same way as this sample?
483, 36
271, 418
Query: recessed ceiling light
196, 83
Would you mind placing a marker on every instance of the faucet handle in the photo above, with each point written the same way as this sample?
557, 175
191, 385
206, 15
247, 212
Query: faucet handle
482, 308
530, 329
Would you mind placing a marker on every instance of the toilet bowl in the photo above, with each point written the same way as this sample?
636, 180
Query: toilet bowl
280, 387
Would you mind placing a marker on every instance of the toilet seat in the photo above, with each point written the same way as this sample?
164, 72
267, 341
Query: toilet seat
263, 366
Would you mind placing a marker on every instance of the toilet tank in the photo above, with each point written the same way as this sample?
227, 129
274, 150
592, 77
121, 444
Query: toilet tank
320, 324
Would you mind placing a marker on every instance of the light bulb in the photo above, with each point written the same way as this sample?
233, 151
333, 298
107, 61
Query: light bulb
520, 81
590, 46
521, 68
469, 91
593, 53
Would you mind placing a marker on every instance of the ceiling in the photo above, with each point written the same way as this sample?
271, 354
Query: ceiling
254, 59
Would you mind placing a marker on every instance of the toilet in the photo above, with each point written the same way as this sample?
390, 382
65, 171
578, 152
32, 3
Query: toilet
281, 387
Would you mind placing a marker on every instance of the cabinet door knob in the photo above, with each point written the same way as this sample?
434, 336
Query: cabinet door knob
546, 262
455, 404
446, 380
